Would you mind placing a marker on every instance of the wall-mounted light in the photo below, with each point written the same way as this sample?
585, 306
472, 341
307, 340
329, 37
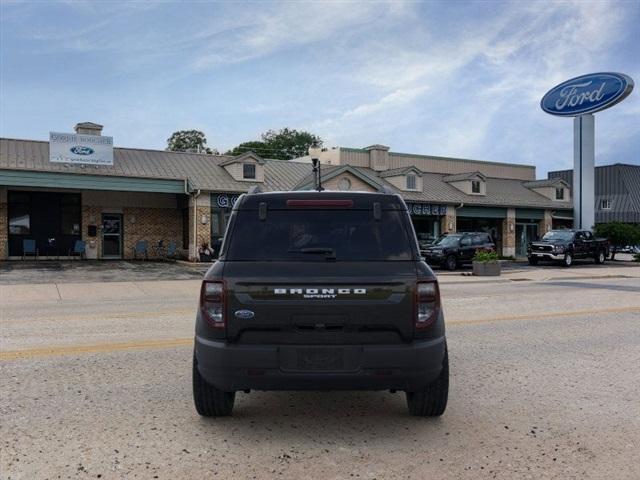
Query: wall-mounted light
511, 227
203, 219
132, 219
450, 225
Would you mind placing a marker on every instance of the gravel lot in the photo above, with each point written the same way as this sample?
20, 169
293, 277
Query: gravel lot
545, 384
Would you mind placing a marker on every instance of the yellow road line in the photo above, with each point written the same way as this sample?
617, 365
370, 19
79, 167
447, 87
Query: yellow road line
179, 342
99, 348
541, 316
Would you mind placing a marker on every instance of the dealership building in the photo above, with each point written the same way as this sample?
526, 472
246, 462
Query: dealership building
113, 198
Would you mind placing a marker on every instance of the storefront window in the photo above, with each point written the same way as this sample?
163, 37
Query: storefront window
52, 219
19, 220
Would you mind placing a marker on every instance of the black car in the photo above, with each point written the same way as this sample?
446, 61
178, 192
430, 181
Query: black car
564, 246
320, 291
455, 249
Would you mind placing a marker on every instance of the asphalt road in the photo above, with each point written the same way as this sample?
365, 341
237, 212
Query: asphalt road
545, 382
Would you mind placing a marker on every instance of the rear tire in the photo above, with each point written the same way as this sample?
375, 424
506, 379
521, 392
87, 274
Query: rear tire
600, 257
209, 401
432, 401
568, 260
533, 261
451, 263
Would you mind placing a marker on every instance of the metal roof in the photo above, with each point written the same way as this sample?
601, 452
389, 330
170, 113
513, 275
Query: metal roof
400, 171
463, 176
201, 170
205, 172
547, 182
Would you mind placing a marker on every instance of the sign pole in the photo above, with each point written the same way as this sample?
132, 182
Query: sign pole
579, 98
583, 171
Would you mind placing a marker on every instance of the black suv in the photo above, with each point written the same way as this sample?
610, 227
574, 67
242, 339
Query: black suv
320, 291
455, 249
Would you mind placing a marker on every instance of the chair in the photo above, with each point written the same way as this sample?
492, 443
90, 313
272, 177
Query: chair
29, 248
79, 248
172, 249
141, 248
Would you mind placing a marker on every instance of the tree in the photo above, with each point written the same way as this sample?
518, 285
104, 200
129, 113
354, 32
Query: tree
257, 147
189, 141
284, 144
619, 234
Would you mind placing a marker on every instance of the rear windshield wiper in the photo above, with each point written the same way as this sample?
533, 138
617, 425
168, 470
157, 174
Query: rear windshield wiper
329, 252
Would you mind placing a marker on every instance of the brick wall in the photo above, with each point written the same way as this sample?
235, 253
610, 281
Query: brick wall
449, 219
92, 216
203, 231
509, 233
545, 224
152, 225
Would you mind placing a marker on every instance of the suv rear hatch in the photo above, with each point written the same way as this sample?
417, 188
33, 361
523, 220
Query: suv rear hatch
320, 273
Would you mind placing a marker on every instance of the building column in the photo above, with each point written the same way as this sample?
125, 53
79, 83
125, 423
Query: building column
4, 227
545, 224
448, 222
91, 216
200, 219
509, 234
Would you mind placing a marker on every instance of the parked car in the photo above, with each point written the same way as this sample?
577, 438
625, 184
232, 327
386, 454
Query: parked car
455, 249
565, 246
320, 291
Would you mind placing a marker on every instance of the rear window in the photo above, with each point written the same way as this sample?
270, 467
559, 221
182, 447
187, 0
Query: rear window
320, 235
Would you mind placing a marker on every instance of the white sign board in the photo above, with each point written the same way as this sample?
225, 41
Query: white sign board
77, 149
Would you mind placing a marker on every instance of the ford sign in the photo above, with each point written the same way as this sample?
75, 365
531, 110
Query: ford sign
587, 94
79, 150
244, 314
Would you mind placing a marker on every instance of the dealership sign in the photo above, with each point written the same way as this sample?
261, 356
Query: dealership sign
426, 209
80, 149
587, 94
226, 201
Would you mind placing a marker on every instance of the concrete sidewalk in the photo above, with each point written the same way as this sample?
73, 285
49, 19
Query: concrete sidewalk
96, 291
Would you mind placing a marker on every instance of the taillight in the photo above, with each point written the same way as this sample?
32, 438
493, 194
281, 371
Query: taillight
212, 303
427, 303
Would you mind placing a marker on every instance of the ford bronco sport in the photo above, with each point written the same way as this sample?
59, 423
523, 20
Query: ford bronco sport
320, 291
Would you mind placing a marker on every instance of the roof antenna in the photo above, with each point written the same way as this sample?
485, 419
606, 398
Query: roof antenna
317, 174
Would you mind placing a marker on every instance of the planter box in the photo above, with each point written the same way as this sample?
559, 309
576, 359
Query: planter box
486, 269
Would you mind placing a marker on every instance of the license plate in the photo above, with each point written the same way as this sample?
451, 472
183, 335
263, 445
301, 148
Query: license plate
320, 359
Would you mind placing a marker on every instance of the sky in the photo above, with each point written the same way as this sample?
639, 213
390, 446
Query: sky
450, 78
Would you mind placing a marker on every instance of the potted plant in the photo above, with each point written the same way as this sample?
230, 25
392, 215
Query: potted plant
486, 264
205, 253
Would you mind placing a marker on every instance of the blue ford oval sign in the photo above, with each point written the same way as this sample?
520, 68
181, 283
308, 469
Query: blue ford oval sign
587, 94
79, 150
244, 314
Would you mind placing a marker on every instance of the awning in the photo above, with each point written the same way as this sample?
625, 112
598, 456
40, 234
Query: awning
30, 178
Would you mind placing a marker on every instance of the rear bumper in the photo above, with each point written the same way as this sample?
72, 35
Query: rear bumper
232, 367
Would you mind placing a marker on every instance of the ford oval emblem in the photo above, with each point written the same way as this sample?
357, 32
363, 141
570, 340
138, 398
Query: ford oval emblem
587, 94
79, 150
244, 314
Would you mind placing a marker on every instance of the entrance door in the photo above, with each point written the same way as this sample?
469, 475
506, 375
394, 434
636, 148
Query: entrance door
525, 233
111, 235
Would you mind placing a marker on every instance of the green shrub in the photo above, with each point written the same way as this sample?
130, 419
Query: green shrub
482, 256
